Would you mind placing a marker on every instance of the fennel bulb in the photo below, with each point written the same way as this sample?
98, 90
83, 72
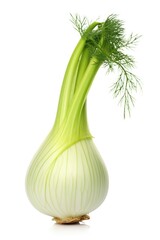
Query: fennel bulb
67, 178
73, 186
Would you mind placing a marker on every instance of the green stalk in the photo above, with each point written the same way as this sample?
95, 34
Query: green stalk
68, 85
70, 77
75, 118
85, 59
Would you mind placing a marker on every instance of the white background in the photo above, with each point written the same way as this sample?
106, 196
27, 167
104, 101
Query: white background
36, 40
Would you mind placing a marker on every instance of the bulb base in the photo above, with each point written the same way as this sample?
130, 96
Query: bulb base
71, 220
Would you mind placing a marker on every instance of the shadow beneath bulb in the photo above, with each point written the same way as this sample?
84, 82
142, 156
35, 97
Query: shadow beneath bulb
70, 229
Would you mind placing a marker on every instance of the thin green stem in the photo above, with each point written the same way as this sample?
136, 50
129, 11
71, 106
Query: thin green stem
85, 59
79, 99
83, 64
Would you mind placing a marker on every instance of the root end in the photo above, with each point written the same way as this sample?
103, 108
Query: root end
70, 220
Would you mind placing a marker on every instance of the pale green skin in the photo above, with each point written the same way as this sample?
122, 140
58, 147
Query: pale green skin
67, 177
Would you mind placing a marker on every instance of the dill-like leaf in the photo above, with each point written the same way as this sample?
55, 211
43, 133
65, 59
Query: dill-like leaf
79, 24
108, 44
126, 84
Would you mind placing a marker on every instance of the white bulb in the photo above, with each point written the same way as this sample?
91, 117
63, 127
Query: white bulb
70, 186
